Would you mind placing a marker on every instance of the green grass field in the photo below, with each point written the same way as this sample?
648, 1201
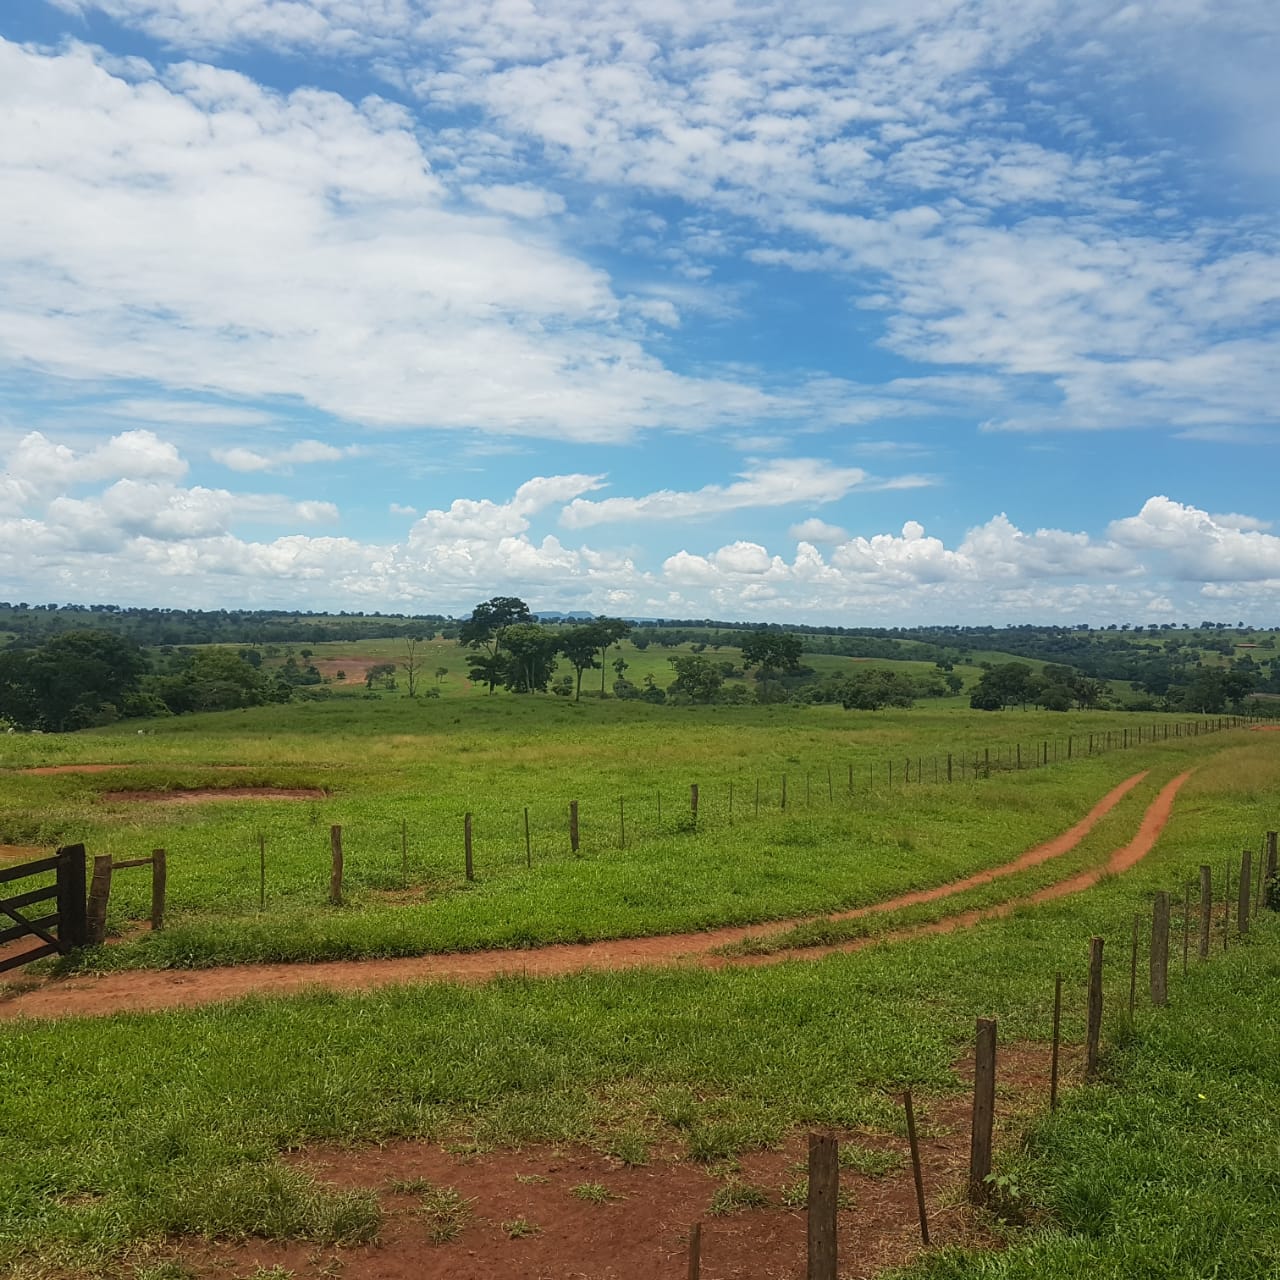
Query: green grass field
401, 775
169, 1125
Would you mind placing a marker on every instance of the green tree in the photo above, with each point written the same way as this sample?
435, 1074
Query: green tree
530, 657
697, 678
580, 645
74, 680
874, 688
772, 651
485, 631
608, 632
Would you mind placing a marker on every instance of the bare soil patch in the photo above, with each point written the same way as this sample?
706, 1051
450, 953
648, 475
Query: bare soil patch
24, 852
636, 1226
138, 990
640, 1232
199, 795
73, 768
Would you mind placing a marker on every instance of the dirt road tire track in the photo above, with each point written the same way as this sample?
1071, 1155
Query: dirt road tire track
151, 990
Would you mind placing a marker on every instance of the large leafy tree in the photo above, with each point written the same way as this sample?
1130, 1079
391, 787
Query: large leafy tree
696, 677
608, 631
530, 656
75, 680
580, 645
772, 651
485, 632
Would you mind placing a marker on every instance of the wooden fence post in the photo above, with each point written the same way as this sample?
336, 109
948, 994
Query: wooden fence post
1057, 1041
528, 844
695, 1251
1270, 873
1094, 1029
693, 803
404, 848
335, 866
1186, 925
1133, 965
622, 824
1226, 908
262, 872
1244, 891
914, 1143
1160, 950
1206, 909
824, 1196
72, 914
159, 883
573, 825
984, 1109
466, 846
99, 896
948, 766
784, 791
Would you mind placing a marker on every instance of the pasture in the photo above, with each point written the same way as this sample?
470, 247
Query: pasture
284, 1135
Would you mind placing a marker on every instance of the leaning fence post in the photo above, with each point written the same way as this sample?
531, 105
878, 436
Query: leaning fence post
335, 866
99, 896
159, 882
1206, 909
915, 1165
1160, 950
573, 825
1270, 873
1094, 1028
824, 1195
1244, 891
984, 1106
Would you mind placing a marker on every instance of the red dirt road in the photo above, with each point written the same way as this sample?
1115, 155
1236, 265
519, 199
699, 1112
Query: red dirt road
145, 990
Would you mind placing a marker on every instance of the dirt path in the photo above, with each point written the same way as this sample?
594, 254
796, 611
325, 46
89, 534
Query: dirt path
1153, 823
147, 990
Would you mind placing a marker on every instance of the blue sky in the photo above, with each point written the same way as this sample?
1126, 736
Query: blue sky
901, 312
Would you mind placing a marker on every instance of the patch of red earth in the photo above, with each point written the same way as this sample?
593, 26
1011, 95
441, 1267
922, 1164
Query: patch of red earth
200, 795
642, 1230
73, 768
23, 852
1266, 728
139, 990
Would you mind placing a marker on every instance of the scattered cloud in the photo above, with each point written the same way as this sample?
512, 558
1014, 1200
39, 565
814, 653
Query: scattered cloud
193, 229
301, 451
127, 537
817, 531
776, 483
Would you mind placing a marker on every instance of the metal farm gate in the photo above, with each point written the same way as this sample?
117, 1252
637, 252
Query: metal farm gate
67, 896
